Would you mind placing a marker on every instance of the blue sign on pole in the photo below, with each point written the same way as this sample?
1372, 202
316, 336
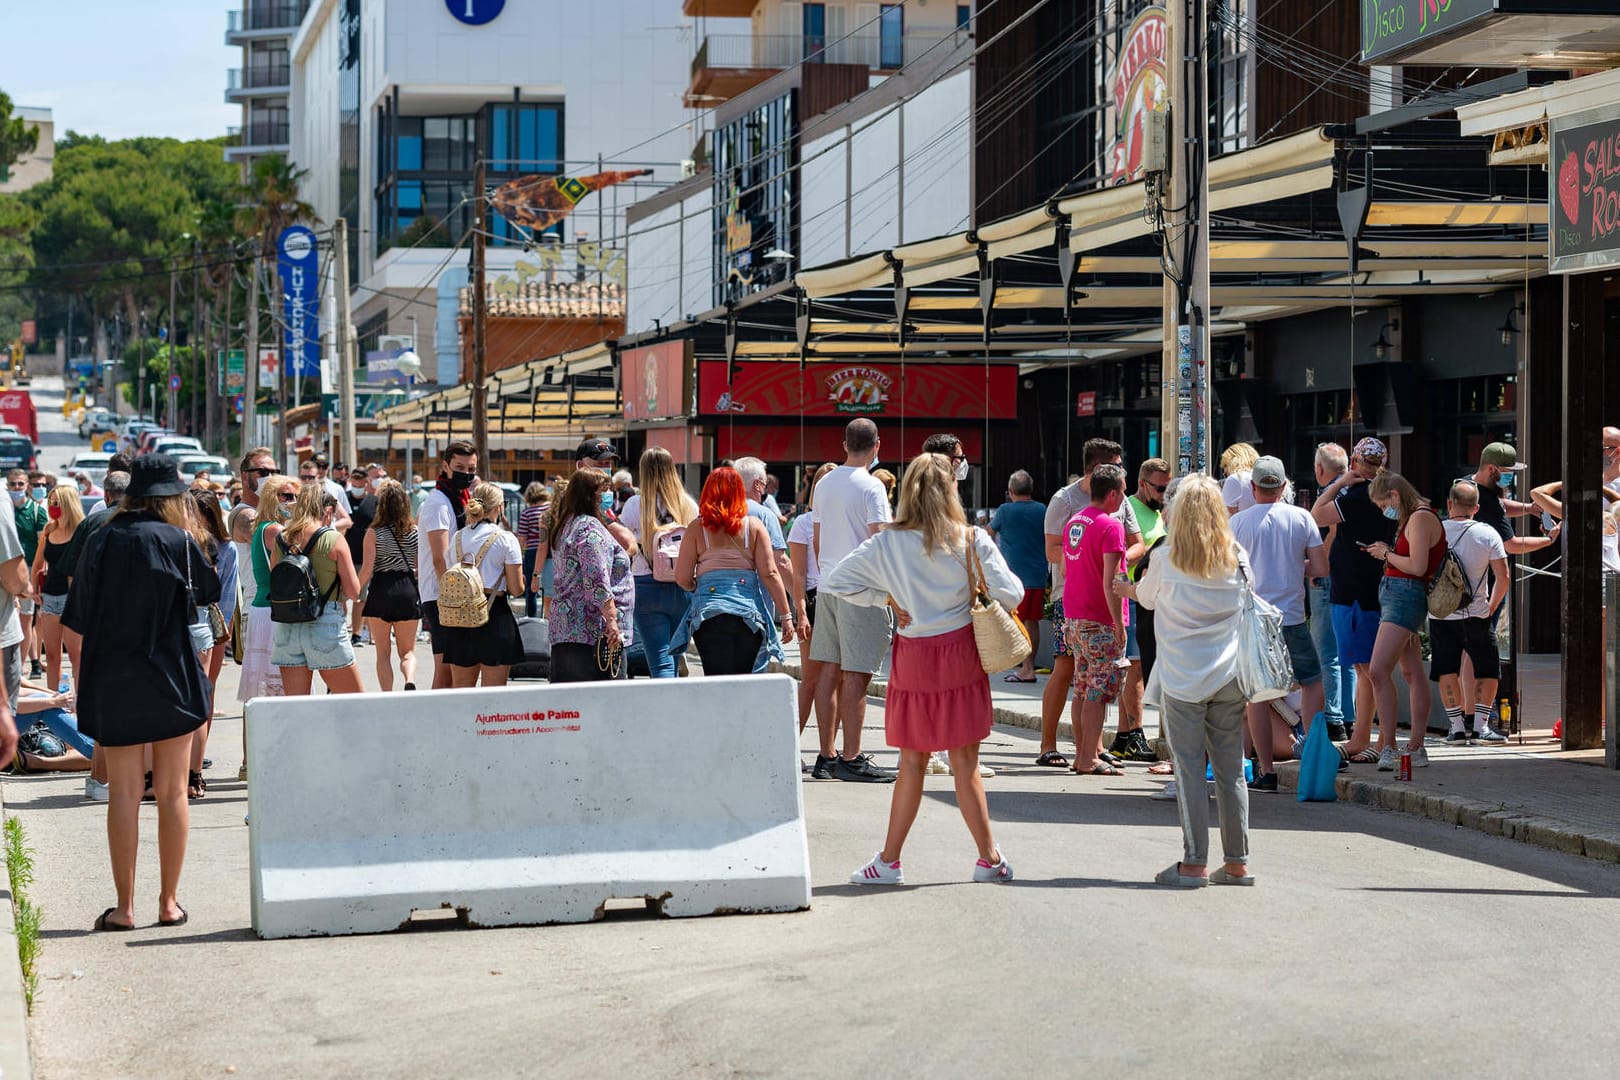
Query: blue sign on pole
475, 12
298, 260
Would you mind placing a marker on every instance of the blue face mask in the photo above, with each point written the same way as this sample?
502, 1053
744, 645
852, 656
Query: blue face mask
39, 493
1393, 513
606, 499
17, 497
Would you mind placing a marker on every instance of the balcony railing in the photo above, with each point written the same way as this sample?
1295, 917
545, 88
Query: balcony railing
259, 77
276, 16
262, 134
873, 50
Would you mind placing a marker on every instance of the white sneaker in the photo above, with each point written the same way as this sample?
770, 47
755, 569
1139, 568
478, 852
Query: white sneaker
1420, 757
999, 872
937, 765
93, 791
1167, 793
986, 771
878, 872
1387, 759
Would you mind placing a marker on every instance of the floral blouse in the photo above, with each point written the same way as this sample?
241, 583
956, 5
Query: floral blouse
591, 568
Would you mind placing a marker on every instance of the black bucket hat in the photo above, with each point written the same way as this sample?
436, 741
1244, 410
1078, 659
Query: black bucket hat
154, 474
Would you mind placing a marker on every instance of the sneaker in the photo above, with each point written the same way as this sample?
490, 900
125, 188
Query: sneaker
93, 791
1491, 737
1458, 738
986, 771
999, 872
824, 768
1167, 793
1337, 732
1266, 782
35, 671
861, 769
1137, 748
1420, 757
410, 686
208, 763
1387, 759
937, 765
878, 872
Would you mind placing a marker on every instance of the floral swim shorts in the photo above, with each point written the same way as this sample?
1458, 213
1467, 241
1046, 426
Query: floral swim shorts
1096, 659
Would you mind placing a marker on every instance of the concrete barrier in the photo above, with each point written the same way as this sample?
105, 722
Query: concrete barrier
525, 805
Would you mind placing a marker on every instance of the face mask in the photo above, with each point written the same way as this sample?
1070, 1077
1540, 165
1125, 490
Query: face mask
1393, 513
39, 493
55, 512
961, 470
17, 497
606, 499
225, 504
461, 481
1505, 481
376, 482
873, 464
1153, 504
357, 489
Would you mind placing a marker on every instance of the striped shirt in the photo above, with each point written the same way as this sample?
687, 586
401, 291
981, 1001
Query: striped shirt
394, 555
528, 530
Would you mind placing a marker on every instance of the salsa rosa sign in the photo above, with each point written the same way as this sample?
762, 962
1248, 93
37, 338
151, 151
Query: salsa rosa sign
1584, 218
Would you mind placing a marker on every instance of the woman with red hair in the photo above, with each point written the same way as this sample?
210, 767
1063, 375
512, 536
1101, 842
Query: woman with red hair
727, 563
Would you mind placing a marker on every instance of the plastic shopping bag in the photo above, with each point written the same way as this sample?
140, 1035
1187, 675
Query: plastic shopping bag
1318, 765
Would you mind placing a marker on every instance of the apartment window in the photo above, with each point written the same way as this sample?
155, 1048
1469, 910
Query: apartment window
526, 138
815, 31
891, 36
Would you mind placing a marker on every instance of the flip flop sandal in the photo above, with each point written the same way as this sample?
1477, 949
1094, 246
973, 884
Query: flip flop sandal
1365, 756
104, 923
1014, 678
181, 921
1173, 877
1219, 876
1102, 768
1053, 759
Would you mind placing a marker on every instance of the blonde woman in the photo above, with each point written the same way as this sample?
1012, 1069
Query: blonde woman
661, 606
939, 695
486, 653
1193, 587
322, 645
1237, 462
65, 511
393, 604
806, 578
1403, 611
260, 678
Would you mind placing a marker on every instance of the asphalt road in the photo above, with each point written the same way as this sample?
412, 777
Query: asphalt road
1375, 944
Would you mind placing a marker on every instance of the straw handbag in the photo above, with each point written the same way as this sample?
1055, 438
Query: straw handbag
1001, 639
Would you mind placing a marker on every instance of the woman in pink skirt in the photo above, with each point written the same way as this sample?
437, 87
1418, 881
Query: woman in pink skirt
939, 695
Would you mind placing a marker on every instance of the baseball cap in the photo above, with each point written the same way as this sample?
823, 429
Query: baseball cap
595, 450
1502, 456
1371, 450
1268, 473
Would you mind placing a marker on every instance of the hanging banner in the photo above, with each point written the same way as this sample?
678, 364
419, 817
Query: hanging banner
781, 391
1584, 217
1136, 86
655, 381
298, 260
536, 203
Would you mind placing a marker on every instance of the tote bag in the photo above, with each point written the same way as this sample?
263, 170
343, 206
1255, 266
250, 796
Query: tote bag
1001, 639
1264, 670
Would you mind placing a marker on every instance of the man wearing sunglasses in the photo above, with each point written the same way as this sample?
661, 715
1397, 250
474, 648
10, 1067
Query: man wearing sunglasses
1130, 743
257, 465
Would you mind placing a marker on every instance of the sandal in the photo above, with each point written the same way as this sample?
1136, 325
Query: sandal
1015, 678
1365, 756
104, 923
19, 763
1101, 768
1053, 759
196, 786
181, 921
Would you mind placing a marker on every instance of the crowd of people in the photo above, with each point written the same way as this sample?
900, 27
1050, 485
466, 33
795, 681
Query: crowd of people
289, 573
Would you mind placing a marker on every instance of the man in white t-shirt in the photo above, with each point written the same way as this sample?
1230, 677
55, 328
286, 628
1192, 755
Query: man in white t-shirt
850, 640
1066, 502
443, 513
1285, 547
1467, 631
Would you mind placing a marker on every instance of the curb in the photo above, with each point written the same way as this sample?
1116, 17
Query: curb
1493, 819
14, 1057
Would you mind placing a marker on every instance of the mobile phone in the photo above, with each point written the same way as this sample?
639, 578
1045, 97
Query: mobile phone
1548, 522
1362, 546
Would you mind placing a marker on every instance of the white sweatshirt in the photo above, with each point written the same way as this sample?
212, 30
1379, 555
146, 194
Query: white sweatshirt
932, 589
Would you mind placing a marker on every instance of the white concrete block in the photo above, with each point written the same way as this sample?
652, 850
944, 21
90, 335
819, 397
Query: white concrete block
525, 804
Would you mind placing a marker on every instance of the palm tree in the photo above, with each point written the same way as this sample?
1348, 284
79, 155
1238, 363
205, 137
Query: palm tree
269, 201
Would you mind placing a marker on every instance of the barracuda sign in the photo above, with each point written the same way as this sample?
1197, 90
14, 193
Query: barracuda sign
1391, 28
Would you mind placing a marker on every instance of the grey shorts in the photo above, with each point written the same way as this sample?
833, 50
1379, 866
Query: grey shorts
11, 661
1302, 652
25, 605
849, 635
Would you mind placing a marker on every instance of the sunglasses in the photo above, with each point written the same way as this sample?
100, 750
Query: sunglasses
1160, 488
288, 496
262, 471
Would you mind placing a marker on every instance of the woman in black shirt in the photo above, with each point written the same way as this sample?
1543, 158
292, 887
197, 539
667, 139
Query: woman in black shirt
139, 582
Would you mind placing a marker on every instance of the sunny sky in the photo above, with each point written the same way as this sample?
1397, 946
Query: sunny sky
120, 68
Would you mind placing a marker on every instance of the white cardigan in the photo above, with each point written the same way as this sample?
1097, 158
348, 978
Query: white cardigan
932, 589
1195, 626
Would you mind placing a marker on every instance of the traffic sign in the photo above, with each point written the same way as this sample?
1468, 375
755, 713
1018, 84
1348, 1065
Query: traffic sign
241, 400
109, 446
174, 382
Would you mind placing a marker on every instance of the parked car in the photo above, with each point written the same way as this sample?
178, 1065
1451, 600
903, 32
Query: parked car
217, 467
175, 446
152, 437
133, 432
95, 421
93, 464
16, 452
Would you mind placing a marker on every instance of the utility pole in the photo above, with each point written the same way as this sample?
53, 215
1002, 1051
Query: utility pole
480, 393
250, 364
1185, 393
172, 416
199, 346
343, 341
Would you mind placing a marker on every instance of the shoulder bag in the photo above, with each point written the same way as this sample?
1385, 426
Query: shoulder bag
1264, 670
1001, 638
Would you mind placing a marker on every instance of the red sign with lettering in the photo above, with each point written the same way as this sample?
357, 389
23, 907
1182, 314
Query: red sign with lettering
1086, 403
845, 391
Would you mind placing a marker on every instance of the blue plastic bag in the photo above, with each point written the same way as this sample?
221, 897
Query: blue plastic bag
1318, 765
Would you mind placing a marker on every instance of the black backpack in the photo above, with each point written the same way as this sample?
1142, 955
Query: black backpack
295, 596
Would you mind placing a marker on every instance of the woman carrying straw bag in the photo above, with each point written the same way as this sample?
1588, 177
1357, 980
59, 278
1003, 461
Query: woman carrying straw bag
939, 694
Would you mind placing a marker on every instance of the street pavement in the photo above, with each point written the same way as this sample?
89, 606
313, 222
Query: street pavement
1375, 944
